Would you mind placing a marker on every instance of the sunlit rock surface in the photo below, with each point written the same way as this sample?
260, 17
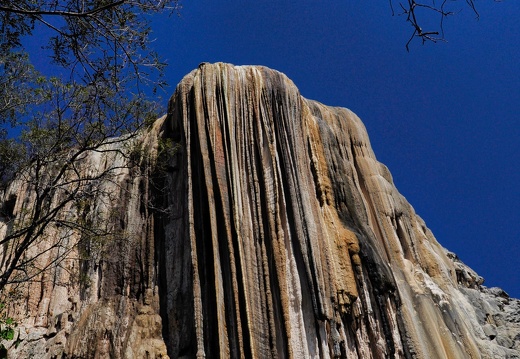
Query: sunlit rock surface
268, 229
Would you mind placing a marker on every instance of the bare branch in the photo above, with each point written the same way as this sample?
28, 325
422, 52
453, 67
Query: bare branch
410, 10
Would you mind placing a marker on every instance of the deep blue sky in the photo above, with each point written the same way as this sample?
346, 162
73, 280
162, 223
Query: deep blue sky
445, 118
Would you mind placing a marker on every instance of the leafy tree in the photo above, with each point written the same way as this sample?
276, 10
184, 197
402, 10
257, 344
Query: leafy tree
103, 69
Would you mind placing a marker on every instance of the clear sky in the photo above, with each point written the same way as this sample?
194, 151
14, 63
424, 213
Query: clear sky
445, 118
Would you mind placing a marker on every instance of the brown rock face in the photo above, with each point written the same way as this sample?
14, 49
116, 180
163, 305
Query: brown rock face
268, 230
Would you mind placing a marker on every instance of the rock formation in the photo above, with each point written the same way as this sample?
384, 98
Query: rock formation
267, 229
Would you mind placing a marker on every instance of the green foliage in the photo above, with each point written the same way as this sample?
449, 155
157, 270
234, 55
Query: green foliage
7, 333
91, 99
18, 85
99, 41
7, 324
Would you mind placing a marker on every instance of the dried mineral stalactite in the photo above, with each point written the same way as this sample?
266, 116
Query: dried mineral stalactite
302, 245
275, 233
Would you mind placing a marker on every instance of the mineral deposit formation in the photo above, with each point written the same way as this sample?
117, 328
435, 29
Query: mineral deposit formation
265, 228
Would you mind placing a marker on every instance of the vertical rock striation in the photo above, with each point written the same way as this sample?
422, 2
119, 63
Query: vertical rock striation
273, 232
98, 297
300, 245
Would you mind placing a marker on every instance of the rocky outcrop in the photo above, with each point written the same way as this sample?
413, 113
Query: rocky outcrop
266, 228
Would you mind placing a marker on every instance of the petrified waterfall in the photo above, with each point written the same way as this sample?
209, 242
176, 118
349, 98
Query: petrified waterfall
267, 230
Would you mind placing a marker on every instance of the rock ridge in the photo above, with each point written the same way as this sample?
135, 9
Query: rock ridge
268, 229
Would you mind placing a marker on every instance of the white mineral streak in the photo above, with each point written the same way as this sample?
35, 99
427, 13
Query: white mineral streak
271, 231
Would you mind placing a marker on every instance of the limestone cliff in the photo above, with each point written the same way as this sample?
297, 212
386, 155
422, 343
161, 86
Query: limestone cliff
267, 230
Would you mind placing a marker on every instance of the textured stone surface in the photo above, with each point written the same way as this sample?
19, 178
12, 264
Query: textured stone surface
273, 231
102, 299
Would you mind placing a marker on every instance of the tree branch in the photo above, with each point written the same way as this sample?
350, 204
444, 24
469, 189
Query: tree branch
22, 11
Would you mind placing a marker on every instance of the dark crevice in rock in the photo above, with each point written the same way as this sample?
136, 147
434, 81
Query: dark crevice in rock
205, 255
7, 207
403, 237
381, 300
